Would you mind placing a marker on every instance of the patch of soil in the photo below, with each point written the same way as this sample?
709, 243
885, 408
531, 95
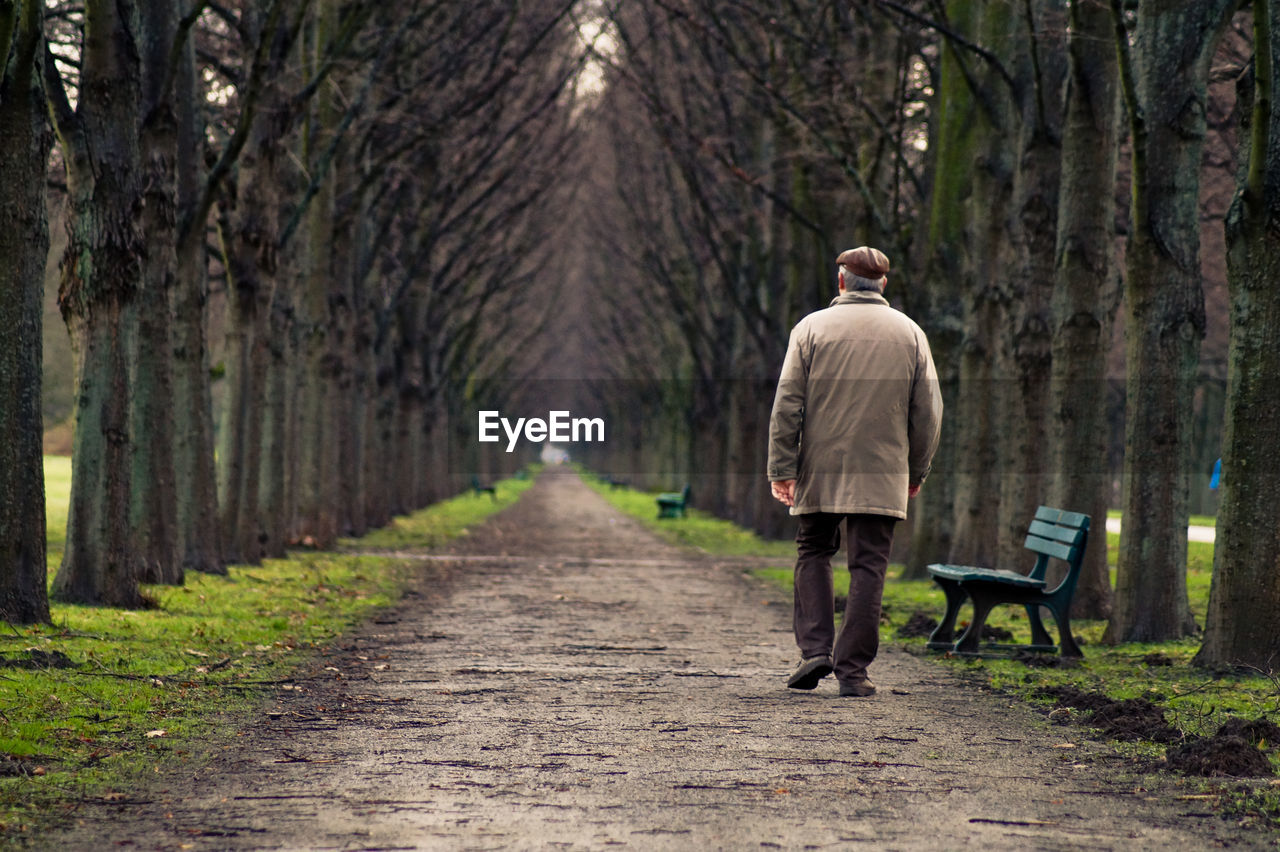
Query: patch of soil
1220, 756
12, 766
1134, 719
920, 624
1131, 719
996, 634
1253, 731
1070, 696
1155, 658
1037, 660
989, 633
37, 659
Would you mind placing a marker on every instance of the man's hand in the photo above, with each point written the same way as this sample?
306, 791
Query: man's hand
913, 490
785, 491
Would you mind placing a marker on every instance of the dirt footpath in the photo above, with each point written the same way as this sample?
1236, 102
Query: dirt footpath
566, 680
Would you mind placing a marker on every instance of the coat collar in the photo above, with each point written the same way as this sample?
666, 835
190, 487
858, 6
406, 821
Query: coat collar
859, 297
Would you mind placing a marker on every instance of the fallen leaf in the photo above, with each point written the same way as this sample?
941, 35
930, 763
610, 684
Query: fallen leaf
156, 733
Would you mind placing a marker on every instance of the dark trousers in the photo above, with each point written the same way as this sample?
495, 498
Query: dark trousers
817, 540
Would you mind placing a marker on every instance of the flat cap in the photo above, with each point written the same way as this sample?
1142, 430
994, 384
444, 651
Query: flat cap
865, 262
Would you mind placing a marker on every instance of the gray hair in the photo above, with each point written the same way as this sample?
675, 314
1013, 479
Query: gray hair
860, 283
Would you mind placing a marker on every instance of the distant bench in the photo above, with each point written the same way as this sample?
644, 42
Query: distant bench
672, 505
1054, 533
478, 488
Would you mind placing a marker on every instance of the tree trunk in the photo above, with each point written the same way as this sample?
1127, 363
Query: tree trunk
249, 245
1085, 296
24, 248
976, 487
378, 437
957, 130
240, 441
319, 444
194, 467
154, 504
273, 502
349, 394
1164, 313
1245, 597
101, 276
400, 476
987, 252
1040, 64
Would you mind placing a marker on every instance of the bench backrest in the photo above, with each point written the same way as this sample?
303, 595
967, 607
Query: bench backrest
1060, 534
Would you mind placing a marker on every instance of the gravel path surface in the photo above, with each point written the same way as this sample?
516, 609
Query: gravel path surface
566, 680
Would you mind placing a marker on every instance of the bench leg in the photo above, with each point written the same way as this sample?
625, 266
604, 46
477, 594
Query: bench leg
1067, 646
943, 636
1039, 636
972, 636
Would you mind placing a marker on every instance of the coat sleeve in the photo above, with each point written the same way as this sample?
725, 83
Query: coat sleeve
788, 413
924, 421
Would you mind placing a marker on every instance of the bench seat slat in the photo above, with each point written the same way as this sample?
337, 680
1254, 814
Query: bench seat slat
1049, 548
968, 572
1062, 517
1051, 531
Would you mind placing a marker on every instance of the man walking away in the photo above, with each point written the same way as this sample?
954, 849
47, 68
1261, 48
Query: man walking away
854, 428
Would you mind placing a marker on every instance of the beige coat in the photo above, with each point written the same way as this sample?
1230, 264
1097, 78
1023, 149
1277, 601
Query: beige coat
858, 411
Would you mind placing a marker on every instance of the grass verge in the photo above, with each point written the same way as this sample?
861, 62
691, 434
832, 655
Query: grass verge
700, 530
101, 697
1194, 702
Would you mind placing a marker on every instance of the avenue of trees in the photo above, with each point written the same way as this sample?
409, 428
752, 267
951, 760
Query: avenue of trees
380, 215
358, 183
1033, 170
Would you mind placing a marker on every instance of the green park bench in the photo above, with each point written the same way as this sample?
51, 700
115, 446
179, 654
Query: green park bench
672, 505
1054, 533
478, 488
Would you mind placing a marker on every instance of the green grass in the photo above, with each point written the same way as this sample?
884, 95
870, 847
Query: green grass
699, 530
57, 496
144, 689
1198, 701
428, 528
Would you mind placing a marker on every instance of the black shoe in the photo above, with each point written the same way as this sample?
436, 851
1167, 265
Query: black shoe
858, 689
809, 672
